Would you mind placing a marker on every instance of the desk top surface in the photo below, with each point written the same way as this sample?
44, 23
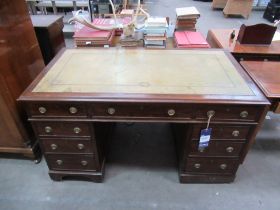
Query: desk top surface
222, 39
145, 74
266, 74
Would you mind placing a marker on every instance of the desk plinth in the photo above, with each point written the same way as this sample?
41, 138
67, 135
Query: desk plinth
74, 102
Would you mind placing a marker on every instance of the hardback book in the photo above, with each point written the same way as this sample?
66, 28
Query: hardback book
190, 39
156, 22
187, 12
89, 33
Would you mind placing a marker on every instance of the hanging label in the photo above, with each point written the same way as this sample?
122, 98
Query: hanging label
205, 136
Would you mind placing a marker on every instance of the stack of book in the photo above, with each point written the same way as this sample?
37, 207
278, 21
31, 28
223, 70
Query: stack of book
155, 32
190, 39
88, 37
186, 18
131, 41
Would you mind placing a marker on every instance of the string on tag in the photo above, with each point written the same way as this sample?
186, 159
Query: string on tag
208, 122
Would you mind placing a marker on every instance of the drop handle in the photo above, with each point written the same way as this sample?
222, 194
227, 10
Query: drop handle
81, 146
210, 113
54, 146
229, 149
73, 110
59, 162
197, 165
244, 114
111, 111
235, 133
84, 162
77, 130
171, 112
42, 110
48, 129
223, 166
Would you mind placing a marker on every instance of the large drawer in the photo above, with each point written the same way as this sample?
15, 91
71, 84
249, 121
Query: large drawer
57, 110
211, 165
57, 145
115, 110
217, 148
72, 162
71, 129
229, 112
223, 132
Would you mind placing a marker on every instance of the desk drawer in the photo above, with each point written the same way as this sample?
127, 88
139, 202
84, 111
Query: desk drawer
223, 132
217, 148
239, 113
116, 110
71, 162
71, 129
211, 165
57, 110
56, 145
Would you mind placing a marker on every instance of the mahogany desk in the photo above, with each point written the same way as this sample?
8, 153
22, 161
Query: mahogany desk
220, 38
266, 75
74, 102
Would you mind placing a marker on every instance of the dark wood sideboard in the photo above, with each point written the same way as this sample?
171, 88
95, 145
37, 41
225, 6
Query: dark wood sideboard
20, 62
73, 103
48, 29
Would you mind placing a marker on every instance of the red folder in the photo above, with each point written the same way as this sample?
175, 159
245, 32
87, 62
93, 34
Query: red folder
190, 39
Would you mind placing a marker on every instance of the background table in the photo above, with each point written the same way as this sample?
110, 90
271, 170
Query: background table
220, 38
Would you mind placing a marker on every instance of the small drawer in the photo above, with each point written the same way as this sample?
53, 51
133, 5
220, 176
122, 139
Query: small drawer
57, 110
229, 113
112, 110
217, 148
72, 162
223, 132
56, 145
71, 129
211, 165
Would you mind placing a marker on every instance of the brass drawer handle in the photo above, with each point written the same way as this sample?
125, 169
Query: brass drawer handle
229, 149
111, 111
171, 112
54, 146
48, 129
235, 133
197, 165
244, 114
77, 130
210, 113
73, 110
42, 110
84, 162
59, 162
223, 166
80, 146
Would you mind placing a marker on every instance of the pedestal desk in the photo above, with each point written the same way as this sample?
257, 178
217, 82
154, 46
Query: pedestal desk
266, 75
220, 38
73, 104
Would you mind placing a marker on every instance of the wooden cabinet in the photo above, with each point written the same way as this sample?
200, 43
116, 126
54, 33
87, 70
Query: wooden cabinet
49, 34
20, 62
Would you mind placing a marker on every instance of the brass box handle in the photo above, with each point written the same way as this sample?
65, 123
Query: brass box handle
77, 130
59, 162
197, 165
80, 146
48, 129
111, 111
